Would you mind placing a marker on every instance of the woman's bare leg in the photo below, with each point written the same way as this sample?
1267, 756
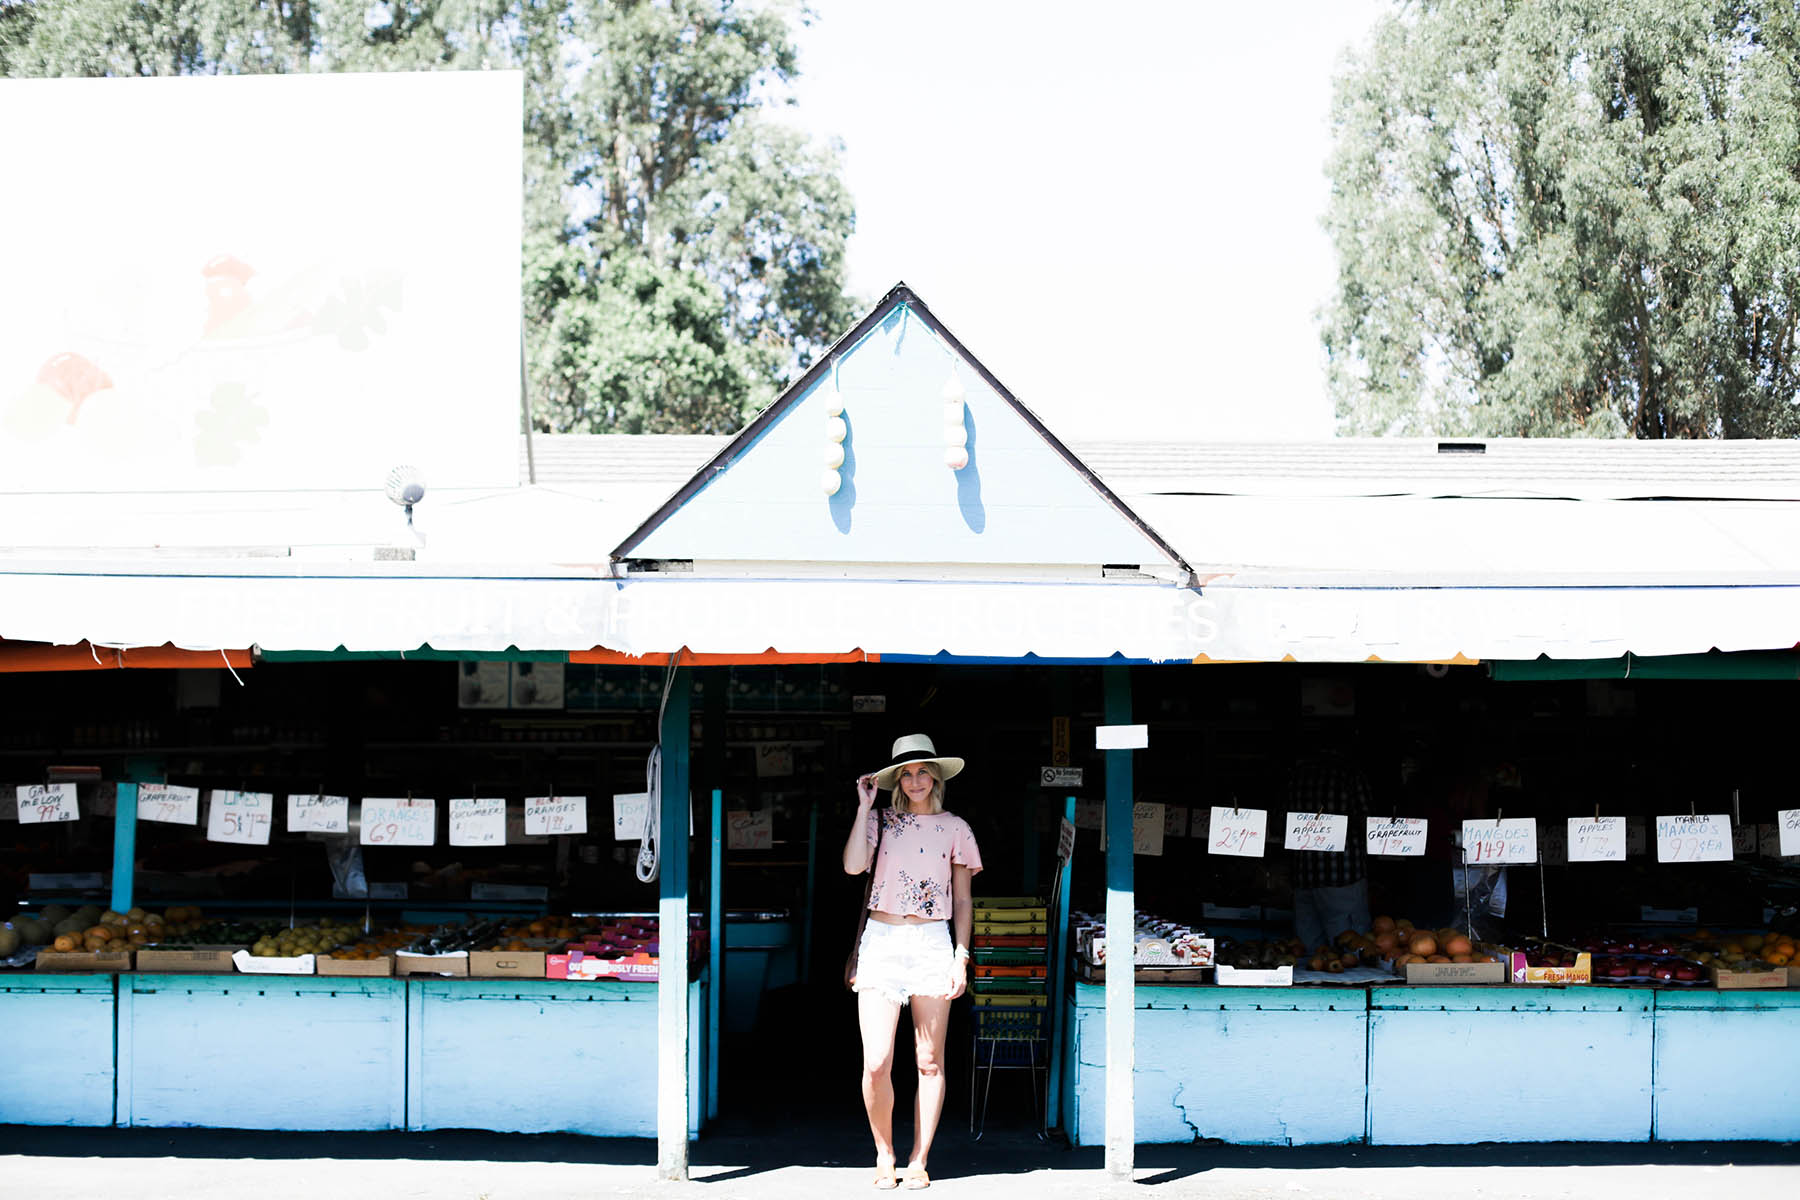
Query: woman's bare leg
931, 1020
878, 1018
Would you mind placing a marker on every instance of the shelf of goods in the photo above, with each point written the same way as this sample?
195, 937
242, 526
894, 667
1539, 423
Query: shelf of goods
1008, 981
1633, 1055
255, 1039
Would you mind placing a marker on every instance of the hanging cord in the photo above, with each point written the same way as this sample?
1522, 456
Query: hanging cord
649, 859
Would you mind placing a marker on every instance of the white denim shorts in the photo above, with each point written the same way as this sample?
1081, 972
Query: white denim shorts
903, 961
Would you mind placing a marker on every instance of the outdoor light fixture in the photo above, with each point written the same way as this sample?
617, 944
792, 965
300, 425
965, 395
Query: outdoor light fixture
956, 434
406, 487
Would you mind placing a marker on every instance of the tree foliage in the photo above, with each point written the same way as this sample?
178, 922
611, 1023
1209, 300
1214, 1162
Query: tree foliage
1571, 218
683, 253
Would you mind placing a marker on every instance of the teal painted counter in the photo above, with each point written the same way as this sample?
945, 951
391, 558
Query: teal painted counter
1724, 1067
1268, 1066
262, 1051
59, 1060
1509, 1064
541, 1056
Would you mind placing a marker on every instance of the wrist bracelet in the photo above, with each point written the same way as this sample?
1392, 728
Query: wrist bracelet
962, 953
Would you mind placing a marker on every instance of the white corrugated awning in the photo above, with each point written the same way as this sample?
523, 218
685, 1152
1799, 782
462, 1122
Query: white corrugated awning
1236, 619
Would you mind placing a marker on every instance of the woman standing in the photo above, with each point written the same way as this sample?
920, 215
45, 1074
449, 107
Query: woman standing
915, 947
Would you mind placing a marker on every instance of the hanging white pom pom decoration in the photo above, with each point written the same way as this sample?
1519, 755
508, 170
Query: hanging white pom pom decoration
835, 429
956, 457
953, 389
830, 482
834, 400
955, 435
834, 456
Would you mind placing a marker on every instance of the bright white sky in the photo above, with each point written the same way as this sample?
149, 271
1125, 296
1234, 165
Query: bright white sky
1116, 208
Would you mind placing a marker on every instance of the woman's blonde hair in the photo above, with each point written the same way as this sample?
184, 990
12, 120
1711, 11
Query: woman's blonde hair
898, 798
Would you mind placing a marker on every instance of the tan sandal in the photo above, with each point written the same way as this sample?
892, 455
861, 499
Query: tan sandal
916, 1179
885, 1179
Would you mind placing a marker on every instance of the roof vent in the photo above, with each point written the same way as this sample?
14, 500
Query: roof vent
1462, 447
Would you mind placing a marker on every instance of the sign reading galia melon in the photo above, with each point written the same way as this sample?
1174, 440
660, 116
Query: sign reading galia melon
294, 297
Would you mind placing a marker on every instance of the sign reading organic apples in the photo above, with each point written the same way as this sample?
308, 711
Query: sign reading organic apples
1597, 839
1316, 831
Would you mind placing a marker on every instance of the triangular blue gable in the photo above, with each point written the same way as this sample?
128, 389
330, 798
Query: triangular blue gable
1023, 498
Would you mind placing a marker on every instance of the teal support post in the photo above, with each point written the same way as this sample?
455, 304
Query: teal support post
1121, 996
124, 846
715, 950
1059, 976
812, 879
673, 1043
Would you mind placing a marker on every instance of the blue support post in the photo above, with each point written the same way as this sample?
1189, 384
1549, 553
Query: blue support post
673, 1034
715, 949
1121, 997
1059, 975
124, 846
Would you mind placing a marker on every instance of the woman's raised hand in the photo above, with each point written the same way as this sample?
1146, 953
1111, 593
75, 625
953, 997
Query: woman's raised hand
865, 790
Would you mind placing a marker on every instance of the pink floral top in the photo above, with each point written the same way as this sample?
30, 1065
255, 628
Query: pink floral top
912, 869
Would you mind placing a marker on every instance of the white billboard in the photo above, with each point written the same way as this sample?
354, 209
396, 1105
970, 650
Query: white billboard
266, 282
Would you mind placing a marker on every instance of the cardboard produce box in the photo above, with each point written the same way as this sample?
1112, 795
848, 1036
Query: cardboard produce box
1725, 981
252, 964
1581, 972
1245, 977
380, 966
84, 960
190, 960
507, 964
1453, 973
455, 964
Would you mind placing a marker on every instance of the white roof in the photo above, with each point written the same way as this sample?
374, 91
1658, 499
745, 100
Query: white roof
1333, 551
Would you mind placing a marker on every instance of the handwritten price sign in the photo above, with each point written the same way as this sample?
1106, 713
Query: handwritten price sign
169, 804
1316, 831
478, 822
318, 814
1513, 841
1146, 828
1690, 839
398, 821
1787, 823
1597, 839
243, 817
1743, 839
42, 803
750, 830
555, 814
1175, 821
1238, 832
1401, 837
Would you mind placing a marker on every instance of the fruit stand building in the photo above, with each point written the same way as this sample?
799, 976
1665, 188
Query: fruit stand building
899, 510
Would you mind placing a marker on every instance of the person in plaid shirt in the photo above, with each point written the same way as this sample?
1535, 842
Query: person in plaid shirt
1331, 888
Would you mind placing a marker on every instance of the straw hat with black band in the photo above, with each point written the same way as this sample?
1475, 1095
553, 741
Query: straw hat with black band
915, 748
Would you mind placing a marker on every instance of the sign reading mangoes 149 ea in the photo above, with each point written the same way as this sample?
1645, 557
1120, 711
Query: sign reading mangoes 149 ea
250, 325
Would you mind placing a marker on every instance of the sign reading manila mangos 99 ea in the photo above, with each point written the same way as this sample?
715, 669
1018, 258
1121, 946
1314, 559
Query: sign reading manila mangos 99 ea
264, 282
